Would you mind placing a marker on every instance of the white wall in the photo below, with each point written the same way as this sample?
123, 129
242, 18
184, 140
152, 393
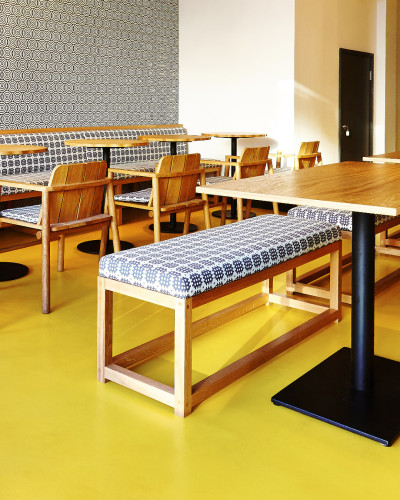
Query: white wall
237, 71
322, 27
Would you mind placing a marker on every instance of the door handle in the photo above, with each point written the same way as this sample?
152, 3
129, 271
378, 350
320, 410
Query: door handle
346, 130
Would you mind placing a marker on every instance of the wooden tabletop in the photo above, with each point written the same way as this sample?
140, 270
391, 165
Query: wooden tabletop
384, 158
228, 135
20, 149
356, 186
174, 138
106, 143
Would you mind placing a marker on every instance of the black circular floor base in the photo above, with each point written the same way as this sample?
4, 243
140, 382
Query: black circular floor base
12, 271
229, 215
93, 246
176, 228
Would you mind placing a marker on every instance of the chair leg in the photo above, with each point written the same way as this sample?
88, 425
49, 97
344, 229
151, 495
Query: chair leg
60, 253
103, 240
275, 208
186, 222
114, 226
240, 208
248, 209
118, 210
224, 207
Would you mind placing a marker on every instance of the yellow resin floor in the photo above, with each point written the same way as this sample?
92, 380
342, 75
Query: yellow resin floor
66, 436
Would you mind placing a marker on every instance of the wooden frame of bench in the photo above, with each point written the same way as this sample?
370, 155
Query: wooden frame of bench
184, 396
303, 283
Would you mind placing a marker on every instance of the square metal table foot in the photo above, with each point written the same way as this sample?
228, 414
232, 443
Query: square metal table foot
325, 393
93, 246
230, 215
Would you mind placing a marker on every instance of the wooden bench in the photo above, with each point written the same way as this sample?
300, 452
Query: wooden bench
189, 271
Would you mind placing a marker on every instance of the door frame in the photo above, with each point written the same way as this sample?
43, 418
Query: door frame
369, 56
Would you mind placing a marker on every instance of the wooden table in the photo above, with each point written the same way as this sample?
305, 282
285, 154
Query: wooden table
93, 246
12, 270
233, 136
385, 158
173, 227
352, 389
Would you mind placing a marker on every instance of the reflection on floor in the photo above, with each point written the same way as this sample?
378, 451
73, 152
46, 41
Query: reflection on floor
65, 436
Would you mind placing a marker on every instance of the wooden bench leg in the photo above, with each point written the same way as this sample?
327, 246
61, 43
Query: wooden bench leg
183, 358
104, 329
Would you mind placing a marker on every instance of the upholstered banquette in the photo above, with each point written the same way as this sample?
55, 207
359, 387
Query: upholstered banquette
58, 153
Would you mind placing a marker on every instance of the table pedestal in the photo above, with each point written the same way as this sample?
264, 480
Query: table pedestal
353, 389
12, 271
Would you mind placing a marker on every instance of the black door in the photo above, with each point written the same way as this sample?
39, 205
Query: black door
356, 71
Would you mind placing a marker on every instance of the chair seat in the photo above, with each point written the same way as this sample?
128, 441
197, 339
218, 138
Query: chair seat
343, 218
142, 196
189, 265
25, 214
218, 178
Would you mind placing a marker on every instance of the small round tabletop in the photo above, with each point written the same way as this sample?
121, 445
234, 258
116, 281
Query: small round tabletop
174, 138
106, 143
20, 149
228, 135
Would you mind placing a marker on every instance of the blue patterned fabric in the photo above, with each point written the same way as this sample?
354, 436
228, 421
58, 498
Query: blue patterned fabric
217, 178
142, 196
343, 218
192, 264
29, 213
58, 153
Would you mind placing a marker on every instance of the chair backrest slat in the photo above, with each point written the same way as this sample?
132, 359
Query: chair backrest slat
178, 189
254, 155
307, 148
79, 203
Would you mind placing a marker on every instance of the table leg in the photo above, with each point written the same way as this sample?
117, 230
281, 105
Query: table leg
93, 246
353, 389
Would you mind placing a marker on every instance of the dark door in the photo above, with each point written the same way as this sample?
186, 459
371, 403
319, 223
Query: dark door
356, 71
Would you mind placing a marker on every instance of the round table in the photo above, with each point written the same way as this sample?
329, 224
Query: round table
233, 136
12, 270
93, 246
172, 226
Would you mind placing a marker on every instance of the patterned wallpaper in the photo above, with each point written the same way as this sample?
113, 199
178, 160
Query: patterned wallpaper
88, 62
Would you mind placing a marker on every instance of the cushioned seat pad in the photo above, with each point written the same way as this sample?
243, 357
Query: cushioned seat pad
142, 196
27, 214
342, 218
192, 264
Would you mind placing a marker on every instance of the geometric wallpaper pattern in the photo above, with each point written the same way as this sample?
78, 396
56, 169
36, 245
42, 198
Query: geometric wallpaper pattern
88, 62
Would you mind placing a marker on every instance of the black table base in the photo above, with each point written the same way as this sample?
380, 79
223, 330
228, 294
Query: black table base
325, 393
174, 228
93, 246
12, 271
230, 215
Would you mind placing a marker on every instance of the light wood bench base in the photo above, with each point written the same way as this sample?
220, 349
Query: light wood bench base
184, 396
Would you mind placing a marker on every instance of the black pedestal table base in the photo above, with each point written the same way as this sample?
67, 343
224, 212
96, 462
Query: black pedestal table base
325, 393
177, 228
93, 246
230, 215
12, 271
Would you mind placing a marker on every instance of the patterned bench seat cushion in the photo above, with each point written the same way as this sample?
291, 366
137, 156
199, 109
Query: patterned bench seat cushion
26, 214
201, 261
343, 218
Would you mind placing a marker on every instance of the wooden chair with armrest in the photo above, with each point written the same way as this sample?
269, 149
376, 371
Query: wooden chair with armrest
252, 162
307, 157
72, 202
173, 190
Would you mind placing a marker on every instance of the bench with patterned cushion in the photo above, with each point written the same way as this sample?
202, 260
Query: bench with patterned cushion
192, 270
344, 219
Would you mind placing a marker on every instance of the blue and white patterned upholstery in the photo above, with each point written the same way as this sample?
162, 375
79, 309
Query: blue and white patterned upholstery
30, 213
58, 153
343, 218
141, 196
194, 263
217, 178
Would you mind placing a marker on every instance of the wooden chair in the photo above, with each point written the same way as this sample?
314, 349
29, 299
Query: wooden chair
307, 156
72, 202
252, 162
173, 190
